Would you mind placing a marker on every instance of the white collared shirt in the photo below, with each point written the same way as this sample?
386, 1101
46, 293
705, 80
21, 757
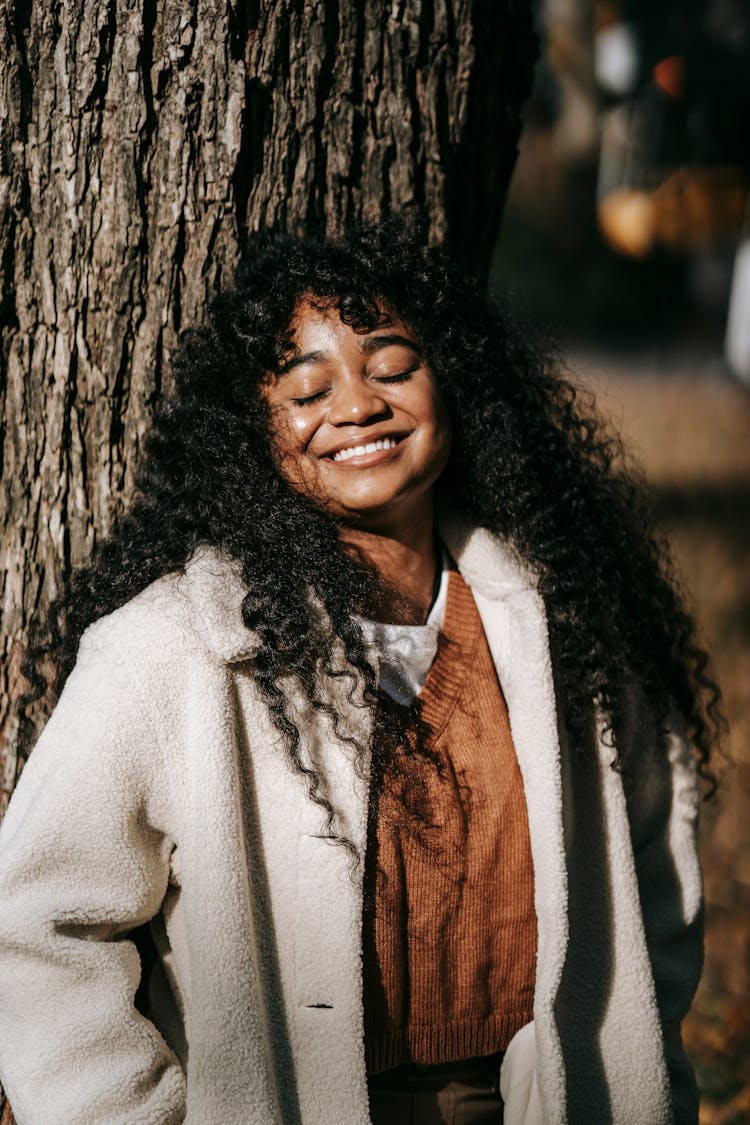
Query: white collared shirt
404, 653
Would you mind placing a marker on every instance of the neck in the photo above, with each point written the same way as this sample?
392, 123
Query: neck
405, 559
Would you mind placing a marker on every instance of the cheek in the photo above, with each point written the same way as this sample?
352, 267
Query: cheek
441, 426
300, 429
290, 435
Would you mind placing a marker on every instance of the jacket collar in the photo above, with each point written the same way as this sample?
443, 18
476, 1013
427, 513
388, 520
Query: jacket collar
489, 564
215, 587
215, 591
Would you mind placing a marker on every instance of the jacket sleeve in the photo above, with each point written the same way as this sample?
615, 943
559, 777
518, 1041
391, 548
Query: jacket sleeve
663, 802
82, 862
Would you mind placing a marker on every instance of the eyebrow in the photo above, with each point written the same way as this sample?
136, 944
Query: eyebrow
369, 346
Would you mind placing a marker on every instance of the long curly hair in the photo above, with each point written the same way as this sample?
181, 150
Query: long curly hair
530, 462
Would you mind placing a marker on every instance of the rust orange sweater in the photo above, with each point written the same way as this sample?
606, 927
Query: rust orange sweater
449, 926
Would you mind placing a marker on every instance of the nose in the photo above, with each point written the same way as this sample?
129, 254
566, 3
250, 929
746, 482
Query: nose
356, 402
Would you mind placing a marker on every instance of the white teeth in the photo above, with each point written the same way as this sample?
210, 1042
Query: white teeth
361, 450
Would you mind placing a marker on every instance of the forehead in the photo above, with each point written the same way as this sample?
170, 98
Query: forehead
316, 334
316, 316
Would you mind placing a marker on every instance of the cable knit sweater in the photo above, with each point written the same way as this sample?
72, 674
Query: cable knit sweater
159, 793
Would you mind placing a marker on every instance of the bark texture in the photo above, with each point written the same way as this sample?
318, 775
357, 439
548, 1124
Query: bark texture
139, 141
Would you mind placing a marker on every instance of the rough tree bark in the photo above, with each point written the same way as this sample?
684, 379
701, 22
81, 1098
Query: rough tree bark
139, 140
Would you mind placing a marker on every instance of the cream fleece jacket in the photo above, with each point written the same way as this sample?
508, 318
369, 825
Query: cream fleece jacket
159, 794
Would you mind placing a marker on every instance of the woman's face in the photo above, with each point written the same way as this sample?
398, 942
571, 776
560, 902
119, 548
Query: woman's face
358, 423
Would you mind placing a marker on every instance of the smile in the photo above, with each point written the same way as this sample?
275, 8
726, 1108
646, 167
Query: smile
382, 445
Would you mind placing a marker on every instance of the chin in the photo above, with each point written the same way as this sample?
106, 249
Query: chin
372, 516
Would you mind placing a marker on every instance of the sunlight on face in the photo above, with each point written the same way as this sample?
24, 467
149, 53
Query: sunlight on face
358, 422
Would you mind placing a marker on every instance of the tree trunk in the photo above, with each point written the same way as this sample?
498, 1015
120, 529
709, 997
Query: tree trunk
139, 140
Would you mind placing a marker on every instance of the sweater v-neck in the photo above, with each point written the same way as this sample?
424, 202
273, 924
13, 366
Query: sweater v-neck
457, 644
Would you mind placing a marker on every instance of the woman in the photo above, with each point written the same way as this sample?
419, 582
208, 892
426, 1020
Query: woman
375, 746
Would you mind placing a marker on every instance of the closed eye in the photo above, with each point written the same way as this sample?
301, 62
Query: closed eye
401, 377
398, 377
308, 400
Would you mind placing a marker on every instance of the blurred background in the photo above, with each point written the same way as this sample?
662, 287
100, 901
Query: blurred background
627, 234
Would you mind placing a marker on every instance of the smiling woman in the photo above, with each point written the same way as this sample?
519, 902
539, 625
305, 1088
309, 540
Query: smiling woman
376, 738
360, 428
353, 401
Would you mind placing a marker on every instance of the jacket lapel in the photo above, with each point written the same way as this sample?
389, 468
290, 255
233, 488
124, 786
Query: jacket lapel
515, 625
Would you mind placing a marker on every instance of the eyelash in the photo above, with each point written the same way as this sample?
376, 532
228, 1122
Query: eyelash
310, 400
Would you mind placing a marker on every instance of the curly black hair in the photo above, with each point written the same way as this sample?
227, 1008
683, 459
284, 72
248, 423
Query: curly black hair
530, 462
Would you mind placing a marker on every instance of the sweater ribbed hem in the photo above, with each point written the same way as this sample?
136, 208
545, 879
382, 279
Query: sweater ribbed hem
442, 1043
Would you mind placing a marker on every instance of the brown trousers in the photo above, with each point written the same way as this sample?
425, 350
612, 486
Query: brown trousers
456, 1093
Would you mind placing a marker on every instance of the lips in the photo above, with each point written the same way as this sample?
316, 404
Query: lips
362, 450
365, 448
